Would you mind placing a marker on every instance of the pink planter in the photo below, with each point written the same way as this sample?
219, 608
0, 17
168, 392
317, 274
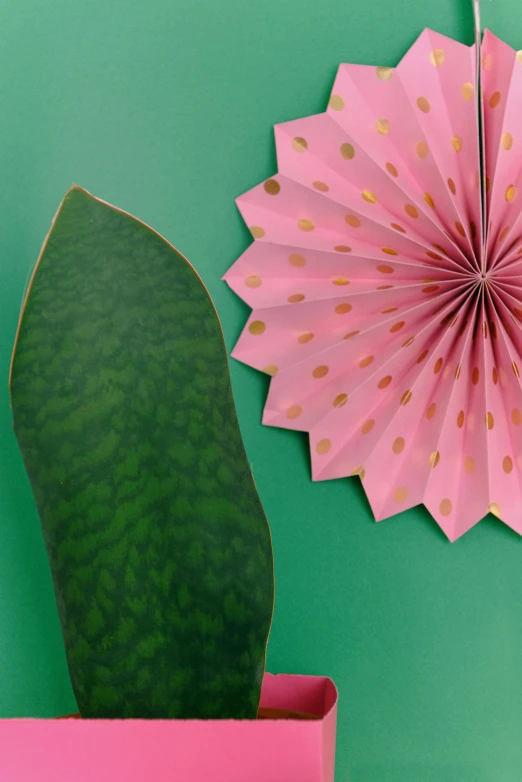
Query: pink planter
267, 750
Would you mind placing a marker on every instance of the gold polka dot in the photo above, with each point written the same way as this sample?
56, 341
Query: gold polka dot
321, 186
475, 376
382, 126
397, 227
340, 400
383, 268
431, 289
445, 507
411, 211
460, 228
487, 62
299, 144
437, 57
456, 142
422, 356
388, 310
430, 412
507, 141
253, 281
504, 233
438, 365
516, 416
514, 367
452, 186
272, 186
271, 370
296, 260
257, 327
460, 419
347, 151
294, 412
434, 256
390, 168
400, 495
342, 248
306, 337
383, 287
494, 375
336, 103
320, 371
305, 225
434, 458
507, 464
365, 362
398, 445
384, 382
323, 446
351, 334
423, 104
494, 509
343, 309
368, 426
469, 465
357, 471
490, 421
257, 232
368, 196
519, 55
352, 220
295, 298
408, 342
429, 200
467, 90
397, 326
384, 74
494, 100
511, 192
341, 281
422, 150
406, 397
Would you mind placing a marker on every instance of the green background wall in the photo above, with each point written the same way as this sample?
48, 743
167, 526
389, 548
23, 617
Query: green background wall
165, 109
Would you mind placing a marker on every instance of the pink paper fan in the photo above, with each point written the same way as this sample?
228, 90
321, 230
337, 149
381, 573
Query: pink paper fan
387, 315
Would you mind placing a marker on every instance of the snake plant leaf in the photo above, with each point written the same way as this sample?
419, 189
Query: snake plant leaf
159, 548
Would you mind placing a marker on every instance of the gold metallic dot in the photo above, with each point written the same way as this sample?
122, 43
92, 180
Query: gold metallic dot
368, 426
400, 495
429, 200
434, 458
341, 281
411, 211
467, 90
397, 326
295, 298
368, 196
253, 281
475, 376
494, 509
294, 412
382, 126
431, 288
494, 375
257, 232
383, 268
434, 256
519, 55
351, 334
490, 421
296, 260
271, 370
503, 234
340, 400
320, 371
347, 151
437, 57
352, 220
422, 150
422, 356
511, 192
397, 227
516, 416
405, 398
456, 142
388, 310
487, 62
323, 446
423, 104
452, 187
321, 186
306, 337
438, 365
408, 342
365, 362
305, 225
358, 471
469, 465
445, 507
384, 382
384, 74
384, 287
430, 412
398, 445
342, 248
257, 327
389, 251
336, 103
460, 419
507, 464
390, 168
494, 100
460, 228
507, 141
272, 186
343, 309
299, 144
514, 367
